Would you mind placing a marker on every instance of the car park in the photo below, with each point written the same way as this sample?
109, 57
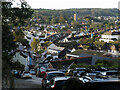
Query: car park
49, 75
26, 75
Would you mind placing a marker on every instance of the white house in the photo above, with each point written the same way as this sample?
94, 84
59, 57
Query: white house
22, 59
110, 36
54, 49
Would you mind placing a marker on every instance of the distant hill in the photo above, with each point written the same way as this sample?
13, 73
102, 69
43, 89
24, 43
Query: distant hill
80, 12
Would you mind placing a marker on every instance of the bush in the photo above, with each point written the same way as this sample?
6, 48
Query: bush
73, 66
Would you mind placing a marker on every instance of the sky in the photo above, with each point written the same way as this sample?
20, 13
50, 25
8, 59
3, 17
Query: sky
66, 4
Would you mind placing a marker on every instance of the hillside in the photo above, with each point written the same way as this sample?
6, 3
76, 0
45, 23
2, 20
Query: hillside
80, 12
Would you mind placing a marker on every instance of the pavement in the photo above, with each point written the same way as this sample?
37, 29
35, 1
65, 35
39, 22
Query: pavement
35, 82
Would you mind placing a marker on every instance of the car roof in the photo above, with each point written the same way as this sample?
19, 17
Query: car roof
60, 78
106, 80
112, 71
54, 72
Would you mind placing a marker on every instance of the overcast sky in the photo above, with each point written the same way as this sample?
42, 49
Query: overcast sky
66, 4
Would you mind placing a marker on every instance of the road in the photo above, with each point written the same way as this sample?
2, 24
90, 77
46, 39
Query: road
35, 82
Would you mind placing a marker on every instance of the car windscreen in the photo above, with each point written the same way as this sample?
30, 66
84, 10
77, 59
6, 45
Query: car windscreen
51, 75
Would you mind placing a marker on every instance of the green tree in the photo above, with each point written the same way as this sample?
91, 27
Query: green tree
42, 28
75, 24
19, 37
35, 45
11, 17
53, 20
47, 43
47, 19
73, 66
61, 19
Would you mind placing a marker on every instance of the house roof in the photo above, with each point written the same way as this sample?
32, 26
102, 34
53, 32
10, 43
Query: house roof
68, 62
107, 33
111, 33
54, 47
79, 51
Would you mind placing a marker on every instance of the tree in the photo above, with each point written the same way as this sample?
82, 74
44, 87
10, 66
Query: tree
47, 19
61, 19
11, 17
85, 41
19, 37
35, 45
47, 43
75, 24
42, 28
73, 66
53, 20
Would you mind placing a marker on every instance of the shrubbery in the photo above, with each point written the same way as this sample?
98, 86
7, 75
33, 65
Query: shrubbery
98, 64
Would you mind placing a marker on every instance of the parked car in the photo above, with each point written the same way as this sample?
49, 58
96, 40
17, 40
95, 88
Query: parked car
49, 75
57, 83
15, 72
104, 84
101, 69
79, 71
109, 73
91, 74
63, 70
32, 71
85, 83
26, 75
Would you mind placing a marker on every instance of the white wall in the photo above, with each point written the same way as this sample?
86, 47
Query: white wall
52, 51
20, 58
111, 36
55, 57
